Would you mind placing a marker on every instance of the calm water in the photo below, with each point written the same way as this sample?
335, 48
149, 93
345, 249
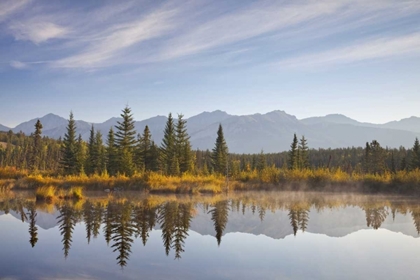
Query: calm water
244, 236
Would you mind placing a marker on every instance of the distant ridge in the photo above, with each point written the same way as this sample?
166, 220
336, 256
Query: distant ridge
271, 132
4, 128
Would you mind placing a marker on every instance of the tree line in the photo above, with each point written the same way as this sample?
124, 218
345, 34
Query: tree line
128, 152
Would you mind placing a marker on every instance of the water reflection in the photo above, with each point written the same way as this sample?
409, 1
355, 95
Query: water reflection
126, 218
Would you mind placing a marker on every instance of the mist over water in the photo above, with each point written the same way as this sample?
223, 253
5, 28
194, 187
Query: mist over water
249, 235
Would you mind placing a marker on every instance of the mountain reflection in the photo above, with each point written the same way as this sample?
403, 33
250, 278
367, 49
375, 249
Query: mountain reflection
123, 219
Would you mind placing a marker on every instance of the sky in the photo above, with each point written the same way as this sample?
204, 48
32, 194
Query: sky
307, 57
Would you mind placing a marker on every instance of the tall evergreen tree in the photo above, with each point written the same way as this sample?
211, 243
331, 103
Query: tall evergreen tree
415, 155
68, 150
111, 154
80, 155
154, 157
92, 153
393, 167
125, 141
167, 149
101, 154
261, 164
145, 150
183, 146
377, 158
366, 160
36, 147
293, 154
220, 153
303, 153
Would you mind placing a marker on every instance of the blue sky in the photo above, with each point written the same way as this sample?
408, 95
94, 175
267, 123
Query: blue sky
355, 57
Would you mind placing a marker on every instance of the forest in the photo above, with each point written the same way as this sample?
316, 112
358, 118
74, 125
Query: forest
132, 159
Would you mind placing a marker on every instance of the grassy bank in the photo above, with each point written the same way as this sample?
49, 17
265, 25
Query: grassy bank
268, 179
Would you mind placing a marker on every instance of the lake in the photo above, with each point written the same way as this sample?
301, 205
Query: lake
248, 235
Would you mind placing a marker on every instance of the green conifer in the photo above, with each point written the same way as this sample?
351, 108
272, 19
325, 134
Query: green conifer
220, 153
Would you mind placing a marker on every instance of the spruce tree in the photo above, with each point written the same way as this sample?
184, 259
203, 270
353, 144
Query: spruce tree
125, 141
183, 146
36, 147
293, 154
153, 162
111, 154
100, 152
68, 150
220, 153
144, 150
366, 159
261, 164
92, 153
167, 149
415, 155
80, 155
303, 153
393, 167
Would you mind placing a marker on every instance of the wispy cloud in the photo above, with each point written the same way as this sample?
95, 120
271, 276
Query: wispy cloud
18, 64
118, 38
8, 7
37, 31
121, 34
253, 21
368, 50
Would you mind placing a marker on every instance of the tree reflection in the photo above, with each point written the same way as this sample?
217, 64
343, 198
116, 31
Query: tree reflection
125, 220
122, 231
33, 229
66, 221
375, 216
219, 216
299, 217
144, 219
293, 216
174, 219
415, 213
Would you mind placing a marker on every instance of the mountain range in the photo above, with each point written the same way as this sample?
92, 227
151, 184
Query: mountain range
270, 132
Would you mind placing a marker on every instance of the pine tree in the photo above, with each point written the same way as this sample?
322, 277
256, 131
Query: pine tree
111, 154
101, 154
68, 150
144, 150
80, 155
220, 153
183, 145
167, 149
36, 147
377, 158
125, 141
261, 164
293, 154
154, 157
415, 156
366, 160
303, 153
393, 167
92, 155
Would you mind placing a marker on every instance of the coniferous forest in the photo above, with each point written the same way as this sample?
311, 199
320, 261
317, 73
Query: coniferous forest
131, 159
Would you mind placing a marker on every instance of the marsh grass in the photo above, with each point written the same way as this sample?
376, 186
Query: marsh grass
50, 193
270, 178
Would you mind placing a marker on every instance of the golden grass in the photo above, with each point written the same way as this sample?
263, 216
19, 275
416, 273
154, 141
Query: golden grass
46, 193
49, 193
270, 178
